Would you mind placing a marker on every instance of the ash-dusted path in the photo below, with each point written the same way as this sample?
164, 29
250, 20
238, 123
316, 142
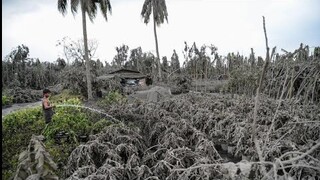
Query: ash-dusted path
19, 106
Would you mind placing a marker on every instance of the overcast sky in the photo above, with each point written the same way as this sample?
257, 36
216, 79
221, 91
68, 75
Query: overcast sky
230, 25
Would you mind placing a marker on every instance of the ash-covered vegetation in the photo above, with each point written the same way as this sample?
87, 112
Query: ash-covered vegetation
196, 136
210, 127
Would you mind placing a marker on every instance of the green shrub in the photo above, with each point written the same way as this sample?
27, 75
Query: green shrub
17, 129
74, 122
111, 98
6, 100
100, 125
65, 95
69, 119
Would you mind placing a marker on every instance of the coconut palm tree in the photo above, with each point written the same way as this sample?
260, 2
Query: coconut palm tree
159, 11
88, 7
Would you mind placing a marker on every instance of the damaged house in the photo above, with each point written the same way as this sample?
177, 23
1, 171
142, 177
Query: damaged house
126, 80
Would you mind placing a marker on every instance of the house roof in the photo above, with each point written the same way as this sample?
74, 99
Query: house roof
127, 73
105, 77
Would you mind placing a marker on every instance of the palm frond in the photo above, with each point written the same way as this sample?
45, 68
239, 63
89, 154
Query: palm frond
91, 9
146, 11
105, 6
160, 11
62, 6
74, 6
89, 6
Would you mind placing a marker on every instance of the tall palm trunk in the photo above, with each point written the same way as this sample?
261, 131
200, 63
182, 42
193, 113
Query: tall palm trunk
157, 49
85, 40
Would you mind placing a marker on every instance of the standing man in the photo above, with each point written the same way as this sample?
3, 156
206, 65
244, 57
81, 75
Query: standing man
46, 106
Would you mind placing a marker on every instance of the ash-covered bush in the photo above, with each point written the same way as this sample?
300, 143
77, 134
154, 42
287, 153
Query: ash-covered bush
20, 95
182, 84
75, 80
242, 81
213, 133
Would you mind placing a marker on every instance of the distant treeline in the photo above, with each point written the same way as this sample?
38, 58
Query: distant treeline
19, 70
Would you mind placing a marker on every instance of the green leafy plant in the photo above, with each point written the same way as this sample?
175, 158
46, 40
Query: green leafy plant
17, 129
66, 94
70, 119
100, 125
69, 125
6, 100
112, 97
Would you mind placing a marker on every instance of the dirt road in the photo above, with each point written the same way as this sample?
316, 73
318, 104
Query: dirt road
19, 106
